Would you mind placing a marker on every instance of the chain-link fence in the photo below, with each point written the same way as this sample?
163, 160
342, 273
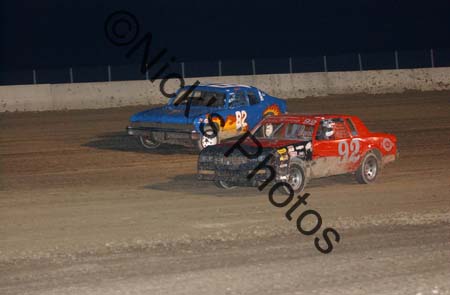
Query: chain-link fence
346, 62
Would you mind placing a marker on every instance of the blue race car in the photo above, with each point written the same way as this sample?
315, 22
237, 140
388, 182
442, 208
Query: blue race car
204, 115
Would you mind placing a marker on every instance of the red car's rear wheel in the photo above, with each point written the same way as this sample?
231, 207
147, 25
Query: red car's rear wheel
368, 170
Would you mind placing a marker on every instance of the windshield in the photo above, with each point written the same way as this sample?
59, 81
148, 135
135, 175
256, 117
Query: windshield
200, 98
284, 130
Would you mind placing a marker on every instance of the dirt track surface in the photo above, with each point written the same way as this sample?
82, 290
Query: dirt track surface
83, 210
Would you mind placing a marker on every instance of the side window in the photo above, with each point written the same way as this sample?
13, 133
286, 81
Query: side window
252, 97
324, 130
214, 99
292, 130
340, 132
352, 127
332, 130
237, 99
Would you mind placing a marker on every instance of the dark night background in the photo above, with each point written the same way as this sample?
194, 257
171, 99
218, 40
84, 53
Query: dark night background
51, 34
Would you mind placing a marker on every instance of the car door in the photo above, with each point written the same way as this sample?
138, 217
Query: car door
239, 109
333, 155
256, 108
357, 146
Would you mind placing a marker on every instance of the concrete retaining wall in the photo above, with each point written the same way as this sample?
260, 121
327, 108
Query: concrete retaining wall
115, 94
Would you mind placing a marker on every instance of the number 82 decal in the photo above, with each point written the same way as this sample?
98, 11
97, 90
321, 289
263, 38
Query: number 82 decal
241, 116
349, 153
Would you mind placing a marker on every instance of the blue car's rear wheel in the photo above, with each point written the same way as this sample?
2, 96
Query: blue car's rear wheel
149, 142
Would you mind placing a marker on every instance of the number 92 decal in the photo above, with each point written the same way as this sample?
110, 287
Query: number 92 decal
349, 153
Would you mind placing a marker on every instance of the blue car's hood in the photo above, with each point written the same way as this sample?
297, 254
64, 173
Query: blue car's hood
170, 114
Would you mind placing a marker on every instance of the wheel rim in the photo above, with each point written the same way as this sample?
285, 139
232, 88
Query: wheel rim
295, 178
224, 184
148, 141
370, 168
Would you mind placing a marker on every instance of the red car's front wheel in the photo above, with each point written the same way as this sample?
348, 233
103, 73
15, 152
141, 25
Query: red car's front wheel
296, 180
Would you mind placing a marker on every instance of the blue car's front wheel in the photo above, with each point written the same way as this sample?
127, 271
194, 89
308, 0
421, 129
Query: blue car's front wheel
149, 142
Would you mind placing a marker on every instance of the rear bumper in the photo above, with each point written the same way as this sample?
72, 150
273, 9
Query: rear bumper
390, 158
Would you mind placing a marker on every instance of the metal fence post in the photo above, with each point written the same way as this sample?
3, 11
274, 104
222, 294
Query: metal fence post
71, 75
360, 62
325, 66
109, 73
34, 77
290, 65
253, 66
396, 59
220, 67
432, 57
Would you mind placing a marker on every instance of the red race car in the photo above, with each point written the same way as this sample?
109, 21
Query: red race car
295, 148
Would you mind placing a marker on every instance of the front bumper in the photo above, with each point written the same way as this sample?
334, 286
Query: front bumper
169, 133
235, 177
236, 169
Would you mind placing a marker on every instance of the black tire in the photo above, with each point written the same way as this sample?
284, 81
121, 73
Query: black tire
297, 179
223, 184
149, 142
209, 137
368, 170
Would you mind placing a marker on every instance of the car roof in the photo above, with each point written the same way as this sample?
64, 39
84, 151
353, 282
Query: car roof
315, 116
222, 87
